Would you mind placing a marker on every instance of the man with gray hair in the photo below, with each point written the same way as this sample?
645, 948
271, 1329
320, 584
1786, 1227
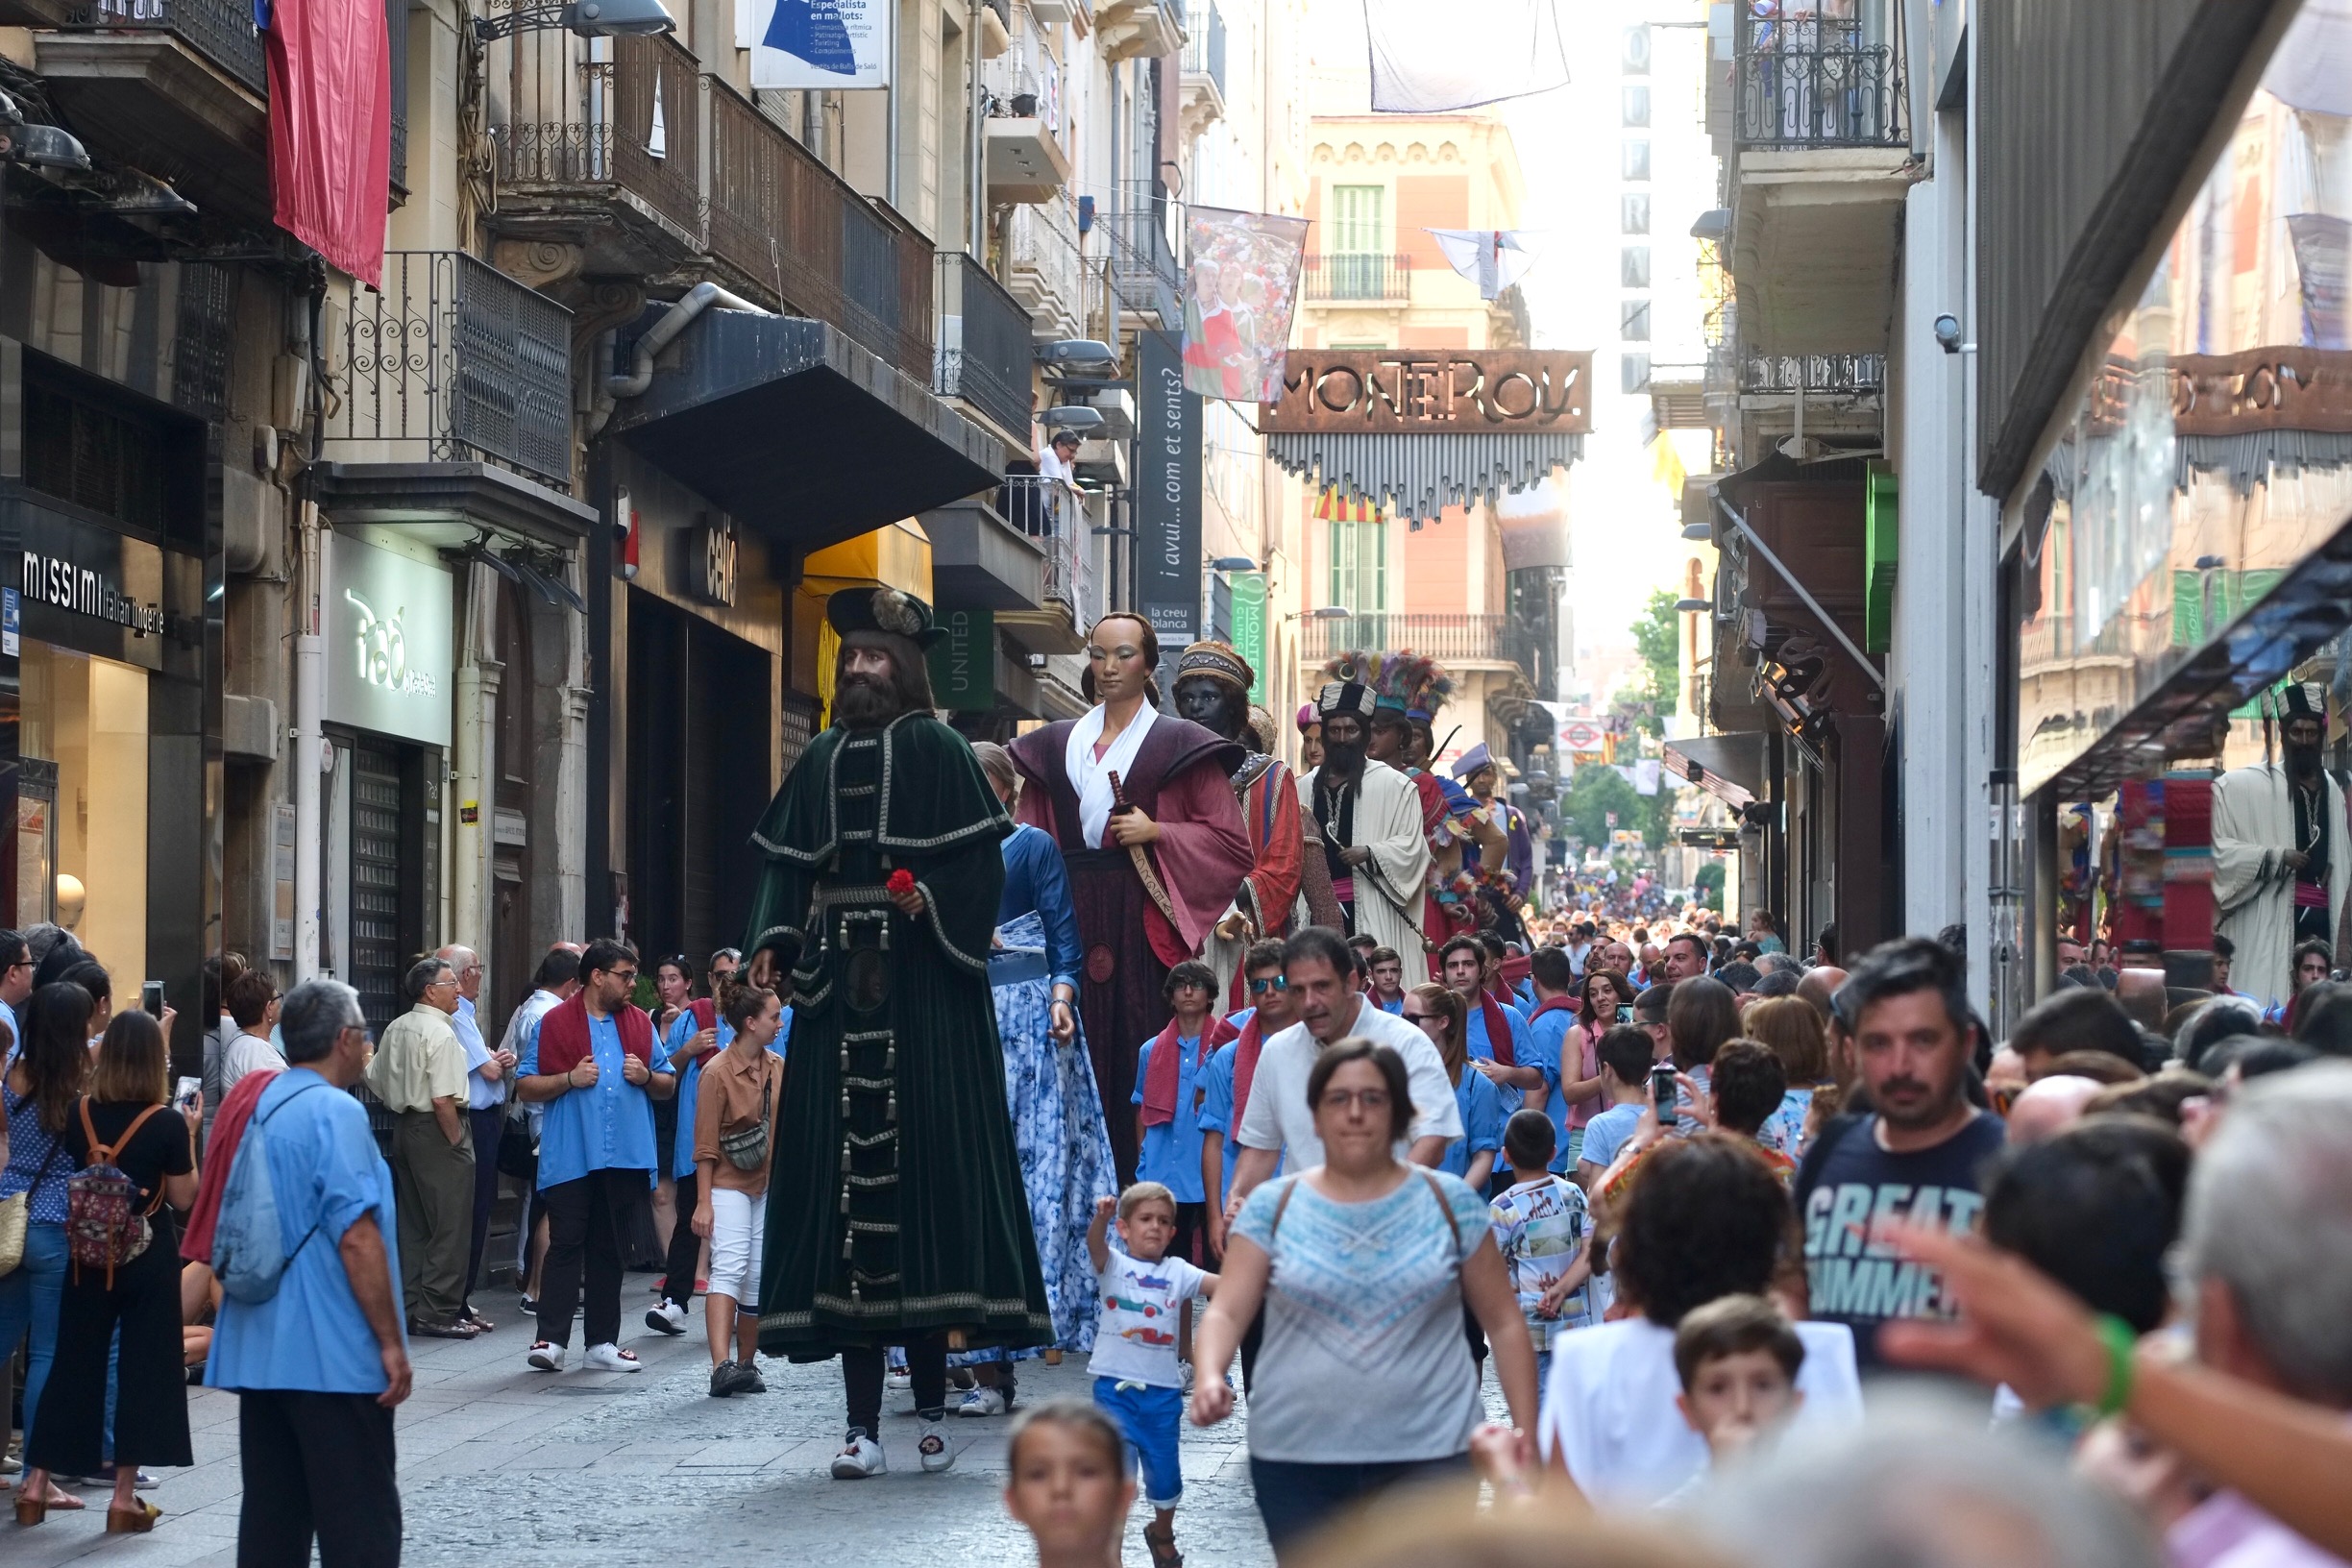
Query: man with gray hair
420, 1074
318, 1366
486, 1084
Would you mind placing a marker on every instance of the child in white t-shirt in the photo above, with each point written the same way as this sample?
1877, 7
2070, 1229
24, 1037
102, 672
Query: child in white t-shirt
1738, 1358
1137, 1377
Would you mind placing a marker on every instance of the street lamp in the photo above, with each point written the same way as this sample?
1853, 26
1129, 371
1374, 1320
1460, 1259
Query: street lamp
1696, 531
589, 18
1693, 607
1233, 563
1326, 612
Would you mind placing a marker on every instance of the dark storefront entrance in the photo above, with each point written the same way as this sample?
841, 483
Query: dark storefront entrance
699, 734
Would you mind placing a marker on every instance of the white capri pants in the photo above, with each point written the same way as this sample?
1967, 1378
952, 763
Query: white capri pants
739, 1222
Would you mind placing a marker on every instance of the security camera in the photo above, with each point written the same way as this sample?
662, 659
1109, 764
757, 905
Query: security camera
1947, 332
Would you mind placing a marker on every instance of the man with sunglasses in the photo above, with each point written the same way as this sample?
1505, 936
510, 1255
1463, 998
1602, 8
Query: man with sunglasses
1232, 1066
592, 1065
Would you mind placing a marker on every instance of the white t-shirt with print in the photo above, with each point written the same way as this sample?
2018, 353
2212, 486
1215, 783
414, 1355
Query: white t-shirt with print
1135, 1341
1279, 1117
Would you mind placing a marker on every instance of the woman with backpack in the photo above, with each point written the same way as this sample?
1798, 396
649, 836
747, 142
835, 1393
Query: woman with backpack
42, 1087
130, 1153
1361, 1248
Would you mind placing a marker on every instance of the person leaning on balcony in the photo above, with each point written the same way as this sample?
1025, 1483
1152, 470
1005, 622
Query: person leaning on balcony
420, 1074
1058, 460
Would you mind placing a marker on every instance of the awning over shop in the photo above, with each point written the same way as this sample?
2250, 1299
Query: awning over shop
1728, 767
799, 433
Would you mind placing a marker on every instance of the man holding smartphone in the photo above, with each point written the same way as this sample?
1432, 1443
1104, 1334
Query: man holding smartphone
1626, 1061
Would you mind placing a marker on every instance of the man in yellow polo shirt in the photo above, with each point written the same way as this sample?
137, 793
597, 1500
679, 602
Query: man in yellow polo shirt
420, 1074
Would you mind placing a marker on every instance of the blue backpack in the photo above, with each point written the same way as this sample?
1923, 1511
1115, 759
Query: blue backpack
249, 1251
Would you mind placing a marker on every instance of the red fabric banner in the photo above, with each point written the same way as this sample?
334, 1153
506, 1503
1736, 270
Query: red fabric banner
331, 129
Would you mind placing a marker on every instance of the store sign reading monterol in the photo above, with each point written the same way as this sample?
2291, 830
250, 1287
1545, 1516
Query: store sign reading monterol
80, 590
1434, 392
388, 643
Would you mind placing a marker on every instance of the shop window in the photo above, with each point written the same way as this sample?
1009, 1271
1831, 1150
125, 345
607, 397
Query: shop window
82, 805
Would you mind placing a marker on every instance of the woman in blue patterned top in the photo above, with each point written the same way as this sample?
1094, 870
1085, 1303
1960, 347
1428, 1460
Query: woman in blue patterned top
1058, 1125
1363, 1264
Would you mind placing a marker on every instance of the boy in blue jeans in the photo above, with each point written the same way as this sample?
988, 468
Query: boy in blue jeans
1137, 1380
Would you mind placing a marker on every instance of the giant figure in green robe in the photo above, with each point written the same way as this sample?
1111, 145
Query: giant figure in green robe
895, 1207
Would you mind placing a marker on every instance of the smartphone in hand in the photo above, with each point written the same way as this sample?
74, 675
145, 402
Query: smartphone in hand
151, 998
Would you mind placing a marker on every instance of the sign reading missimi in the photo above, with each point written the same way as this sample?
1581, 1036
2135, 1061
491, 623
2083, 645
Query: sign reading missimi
1434, 392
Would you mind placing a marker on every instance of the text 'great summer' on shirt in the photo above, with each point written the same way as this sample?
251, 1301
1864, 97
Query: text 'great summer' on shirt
1848, 1187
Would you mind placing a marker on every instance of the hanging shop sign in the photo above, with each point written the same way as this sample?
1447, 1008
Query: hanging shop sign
1249, 627
90, 588
1167, 501
1432, 392
387, 622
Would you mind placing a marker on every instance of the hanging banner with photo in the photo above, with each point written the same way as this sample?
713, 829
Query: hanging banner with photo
1429, 60
1242, 286
800, 45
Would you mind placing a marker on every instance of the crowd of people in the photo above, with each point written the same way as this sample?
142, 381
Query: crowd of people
1124, 1042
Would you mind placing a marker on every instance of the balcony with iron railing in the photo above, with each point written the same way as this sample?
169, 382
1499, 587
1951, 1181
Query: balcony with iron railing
221, 31
1492, 638
1142, 270
1834, 374
1202, 101
1345, 278
453, 361
983, 351
619, 132
1049, 512
1812, 81
1042, 266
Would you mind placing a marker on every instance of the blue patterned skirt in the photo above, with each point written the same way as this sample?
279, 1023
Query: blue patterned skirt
1058, 1130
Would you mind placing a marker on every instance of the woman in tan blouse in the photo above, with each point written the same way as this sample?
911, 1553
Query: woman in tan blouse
734, 1143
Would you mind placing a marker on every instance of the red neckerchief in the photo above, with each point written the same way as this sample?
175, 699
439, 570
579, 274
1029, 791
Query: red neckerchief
1557, 1004
1161, 1075
1498, 1030
1245, 1070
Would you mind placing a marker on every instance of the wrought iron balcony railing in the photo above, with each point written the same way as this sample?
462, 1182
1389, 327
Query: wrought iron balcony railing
454, 362
1050, 512
1810, 80
1340, 277
982, 354
1833, 373
1439, 637
222, 31
629, 121
1204, 51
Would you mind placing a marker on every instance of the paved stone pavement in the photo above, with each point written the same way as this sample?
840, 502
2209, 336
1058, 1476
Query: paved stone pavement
504, 1464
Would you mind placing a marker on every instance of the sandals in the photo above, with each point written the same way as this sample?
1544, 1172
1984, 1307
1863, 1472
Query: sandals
137, 1521
1162, 1539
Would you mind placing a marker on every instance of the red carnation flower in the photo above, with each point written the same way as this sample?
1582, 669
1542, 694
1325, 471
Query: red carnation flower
901, 880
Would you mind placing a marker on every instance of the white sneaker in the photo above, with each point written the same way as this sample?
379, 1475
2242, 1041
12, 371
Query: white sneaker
899, 1381
546, 1358
984, 1402
937, 1455
666, 1315
860, 1456
609, 1357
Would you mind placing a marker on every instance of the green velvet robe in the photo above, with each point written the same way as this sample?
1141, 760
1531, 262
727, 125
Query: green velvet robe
895, 1205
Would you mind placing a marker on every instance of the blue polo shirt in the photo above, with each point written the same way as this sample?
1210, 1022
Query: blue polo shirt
1547, 1049
607, 1126
324, 1169
1521, 1045
1481, 1103
1171, 1153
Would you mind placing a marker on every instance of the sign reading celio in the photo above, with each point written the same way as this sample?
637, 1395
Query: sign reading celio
1432, 392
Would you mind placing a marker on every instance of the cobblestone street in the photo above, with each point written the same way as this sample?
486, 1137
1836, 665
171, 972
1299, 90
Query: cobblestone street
595, 1468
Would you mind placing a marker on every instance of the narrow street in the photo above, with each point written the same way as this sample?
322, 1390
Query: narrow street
612, 1468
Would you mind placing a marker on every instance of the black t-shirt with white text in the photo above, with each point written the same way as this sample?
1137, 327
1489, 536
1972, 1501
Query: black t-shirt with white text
1847, 1184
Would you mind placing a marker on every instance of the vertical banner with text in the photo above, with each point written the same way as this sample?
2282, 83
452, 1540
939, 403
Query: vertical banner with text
1167, 501
964, 662
1249, 628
